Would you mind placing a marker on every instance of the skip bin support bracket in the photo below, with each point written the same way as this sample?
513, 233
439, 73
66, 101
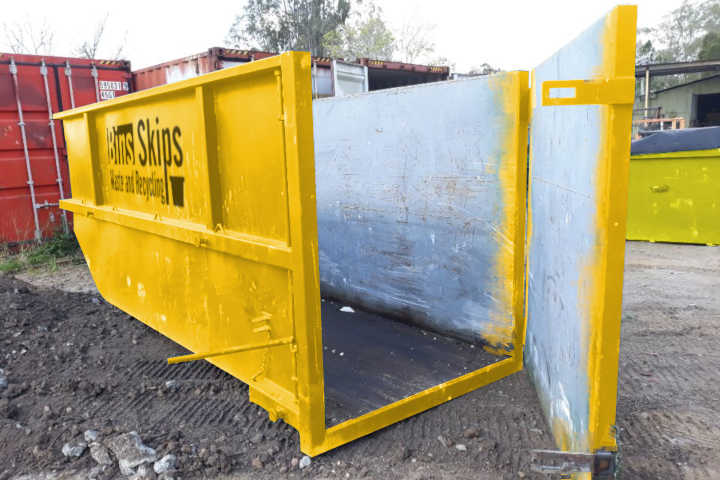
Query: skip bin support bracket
601, 464
264, 318
229, 351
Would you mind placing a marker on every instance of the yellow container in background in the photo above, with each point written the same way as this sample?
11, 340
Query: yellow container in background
675, 197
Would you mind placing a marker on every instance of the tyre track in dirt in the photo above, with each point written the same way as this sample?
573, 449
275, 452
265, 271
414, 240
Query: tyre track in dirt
669, 386
113, 375
98, 368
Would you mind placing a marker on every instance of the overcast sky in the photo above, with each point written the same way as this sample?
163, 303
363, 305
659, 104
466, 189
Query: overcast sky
510, 34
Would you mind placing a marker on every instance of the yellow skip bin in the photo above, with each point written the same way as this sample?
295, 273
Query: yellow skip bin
675, 187
282, 239
195, 206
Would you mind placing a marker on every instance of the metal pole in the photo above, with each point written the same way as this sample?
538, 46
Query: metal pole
21, 123
51, 122
647, 91
314, 80
228, 351
68, 74
94, 74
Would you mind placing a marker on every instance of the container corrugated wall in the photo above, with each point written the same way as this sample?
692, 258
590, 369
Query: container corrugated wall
33, 160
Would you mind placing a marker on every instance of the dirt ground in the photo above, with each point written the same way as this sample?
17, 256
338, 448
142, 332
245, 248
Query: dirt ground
74, 362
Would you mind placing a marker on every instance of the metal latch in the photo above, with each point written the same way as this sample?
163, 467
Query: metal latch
607, 91
602, 464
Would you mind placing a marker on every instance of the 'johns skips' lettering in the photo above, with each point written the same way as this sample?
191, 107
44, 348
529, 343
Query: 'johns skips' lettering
157, 153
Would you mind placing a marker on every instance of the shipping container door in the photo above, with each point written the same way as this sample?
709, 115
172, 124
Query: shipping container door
39, 148
579, 153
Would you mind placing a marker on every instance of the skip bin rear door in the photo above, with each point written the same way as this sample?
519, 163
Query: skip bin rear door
579, 151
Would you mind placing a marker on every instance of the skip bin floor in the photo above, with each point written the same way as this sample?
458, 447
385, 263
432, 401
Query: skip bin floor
371, 361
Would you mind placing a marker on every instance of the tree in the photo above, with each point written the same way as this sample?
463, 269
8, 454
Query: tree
710, 47
413, 42
29, 37
89, 48
280, 25
364, 35
442, 61
645, 51
680, 35
484, 69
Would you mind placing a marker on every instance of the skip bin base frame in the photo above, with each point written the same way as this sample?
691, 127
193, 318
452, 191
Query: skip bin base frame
248, 281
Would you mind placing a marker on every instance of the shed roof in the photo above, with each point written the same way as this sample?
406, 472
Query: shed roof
687, 83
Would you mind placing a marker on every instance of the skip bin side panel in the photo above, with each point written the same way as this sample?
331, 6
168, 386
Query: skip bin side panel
180, 251
576, 229
419, 202
674, 197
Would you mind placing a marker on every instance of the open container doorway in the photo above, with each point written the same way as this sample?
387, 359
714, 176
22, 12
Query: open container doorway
409, 204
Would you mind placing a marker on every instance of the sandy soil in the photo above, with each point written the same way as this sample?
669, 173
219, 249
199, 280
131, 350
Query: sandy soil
668, 410
94, 367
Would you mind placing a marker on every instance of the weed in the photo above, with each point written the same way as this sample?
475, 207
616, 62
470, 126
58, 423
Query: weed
10, 265
45, 253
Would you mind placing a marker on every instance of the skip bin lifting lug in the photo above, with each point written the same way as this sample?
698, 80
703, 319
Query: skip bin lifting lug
607, 91
602, 463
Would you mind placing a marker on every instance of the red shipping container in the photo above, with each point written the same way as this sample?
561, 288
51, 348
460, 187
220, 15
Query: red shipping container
215, 58
33, 159
381, 74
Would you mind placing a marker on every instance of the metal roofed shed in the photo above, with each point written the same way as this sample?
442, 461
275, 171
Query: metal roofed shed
280, 238
674, 193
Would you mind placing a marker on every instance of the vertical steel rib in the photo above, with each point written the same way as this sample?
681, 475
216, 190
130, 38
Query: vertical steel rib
21, 123
51, 122
68, 74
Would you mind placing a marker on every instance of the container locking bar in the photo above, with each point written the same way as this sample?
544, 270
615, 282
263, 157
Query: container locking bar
231, 350
602, 464
609, 91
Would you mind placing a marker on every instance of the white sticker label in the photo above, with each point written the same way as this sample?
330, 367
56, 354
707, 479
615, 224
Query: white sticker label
108, 85
107, 94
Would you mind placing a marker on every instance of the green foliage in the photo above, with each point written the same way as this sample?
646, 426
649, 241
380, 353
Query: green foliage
281, 25
45, 253
710, 47
413, 42
348, 29
10, 265
680, 36
365, 35
687, 33
484, 69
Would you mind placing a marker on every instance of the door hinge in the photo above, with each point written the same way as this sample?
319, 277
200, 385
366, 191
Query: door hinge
602, 464
607, 91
